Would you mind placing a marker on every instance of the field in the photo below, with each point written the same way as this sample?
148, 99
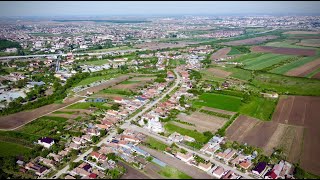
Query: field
219, 72
301, 32
260, 108
264, 61
310, 42
289, 43
241, 74
199, 137
221, 53
86, 105
267, 135
282, 50
15, 120
305, 69
155, 144
12, 149
303, 111
173, 173
203, 122
134, 83
285, 68
97, 62
220, 101
157, 45
250, 41
94, 79
287, 85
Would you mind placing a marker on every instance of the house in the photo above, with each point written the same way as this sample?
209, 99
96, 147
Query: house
74, 146
245, 164
175, 137
260, 168
46, 142
270, 175
94, 132
38, 169
69, 177
95, 155
205, 167
184, 157
188, 138
48, 162
79, 171
77, 140
87, 137
218, 172
118, 100
55, 157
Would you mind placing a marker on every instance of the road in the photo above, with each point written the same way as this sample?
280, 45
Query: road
124, 125
216, 162
50, 55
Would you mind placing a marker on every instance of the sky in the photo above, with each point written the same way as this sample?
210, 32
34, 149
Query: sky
83, 8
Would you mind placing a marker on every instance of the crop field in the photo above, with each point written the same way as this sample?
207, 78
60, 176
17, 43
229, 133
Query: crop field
285, 68
287, 85
94, 79
286, 51
203, 122
159, 45
289, 43
12, 149
250, 41
241, 74
305, 69
97, 62
315, 74
264, 61
301, 32
303, 111
221, 53
17, 119
267, 135
220, 101
310, 42
219, 73
134, 83
86, 105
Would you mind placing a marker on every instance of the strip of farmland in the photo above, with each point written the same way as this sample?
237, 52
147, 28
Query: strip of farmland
287, 51
305, 69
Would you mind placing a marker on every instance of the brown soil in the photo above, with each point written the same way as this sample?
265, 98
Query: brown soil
219, 72
301, 32
221, 53
282, 50
316, 76
305, 69
250, 41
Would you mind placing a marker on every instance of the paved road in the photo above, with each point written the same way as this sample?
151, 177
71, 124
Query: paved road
125, 125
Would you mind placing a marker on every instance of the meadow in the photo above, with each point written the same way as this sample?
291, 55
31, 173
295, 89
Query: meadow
287, 67
86, 105
220, 101
258, 107
12, 149
199, 137
173, 173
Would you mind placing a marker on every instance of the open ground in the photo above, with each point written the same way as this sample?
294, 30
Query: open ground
219, 72
250, 41
157, 45
282, 50
221, 53
134, 83
305, 69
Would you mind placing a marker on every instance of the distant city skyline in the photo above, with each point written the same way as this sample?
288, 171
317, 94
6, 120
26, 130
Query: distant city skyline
104, 8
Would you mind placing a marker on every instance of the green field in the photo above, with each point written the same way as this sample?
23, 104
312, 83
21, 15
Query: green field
176, 62
173, 173
12, 149
313, 73
285, 68
97, 62
264, 61
86, 105
313, 42
287, 44
155, 144
287, 85
240, 73
247, 56
94, 79
199, 137
258, 107
234, 51
220, 101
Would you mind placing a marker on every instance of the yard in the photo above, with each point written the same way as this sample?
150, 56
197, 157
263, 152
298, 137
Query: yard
155, 144
220, 101
173, 173
12, 149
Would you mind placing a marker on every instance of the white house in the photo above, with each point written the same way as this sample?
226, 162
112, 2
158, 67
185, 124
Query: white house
46, 142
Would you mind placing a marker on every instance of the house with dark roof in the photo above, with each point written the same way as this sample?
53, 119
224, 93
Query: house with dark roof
46, 142
260, 168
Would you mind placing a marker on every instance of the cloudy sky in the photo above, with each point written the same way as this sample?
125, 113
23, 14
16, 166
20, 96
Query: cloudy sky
62, 8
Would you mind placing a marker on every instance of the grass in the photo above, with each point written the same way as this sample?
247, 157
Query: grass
241, 74
199, 137
176, 62
220, 101
286, 84
12, 149
259, 107
94, 79
63, 112
173, 173
285, 68
155, 144
57, 119
247, 56
97, 62
234, 51
124, 92
263, 61
86, 105
286, 44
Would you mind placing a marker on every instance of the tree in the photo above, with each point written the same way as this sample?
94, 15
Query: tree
115, 106
182, 100
119, 130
